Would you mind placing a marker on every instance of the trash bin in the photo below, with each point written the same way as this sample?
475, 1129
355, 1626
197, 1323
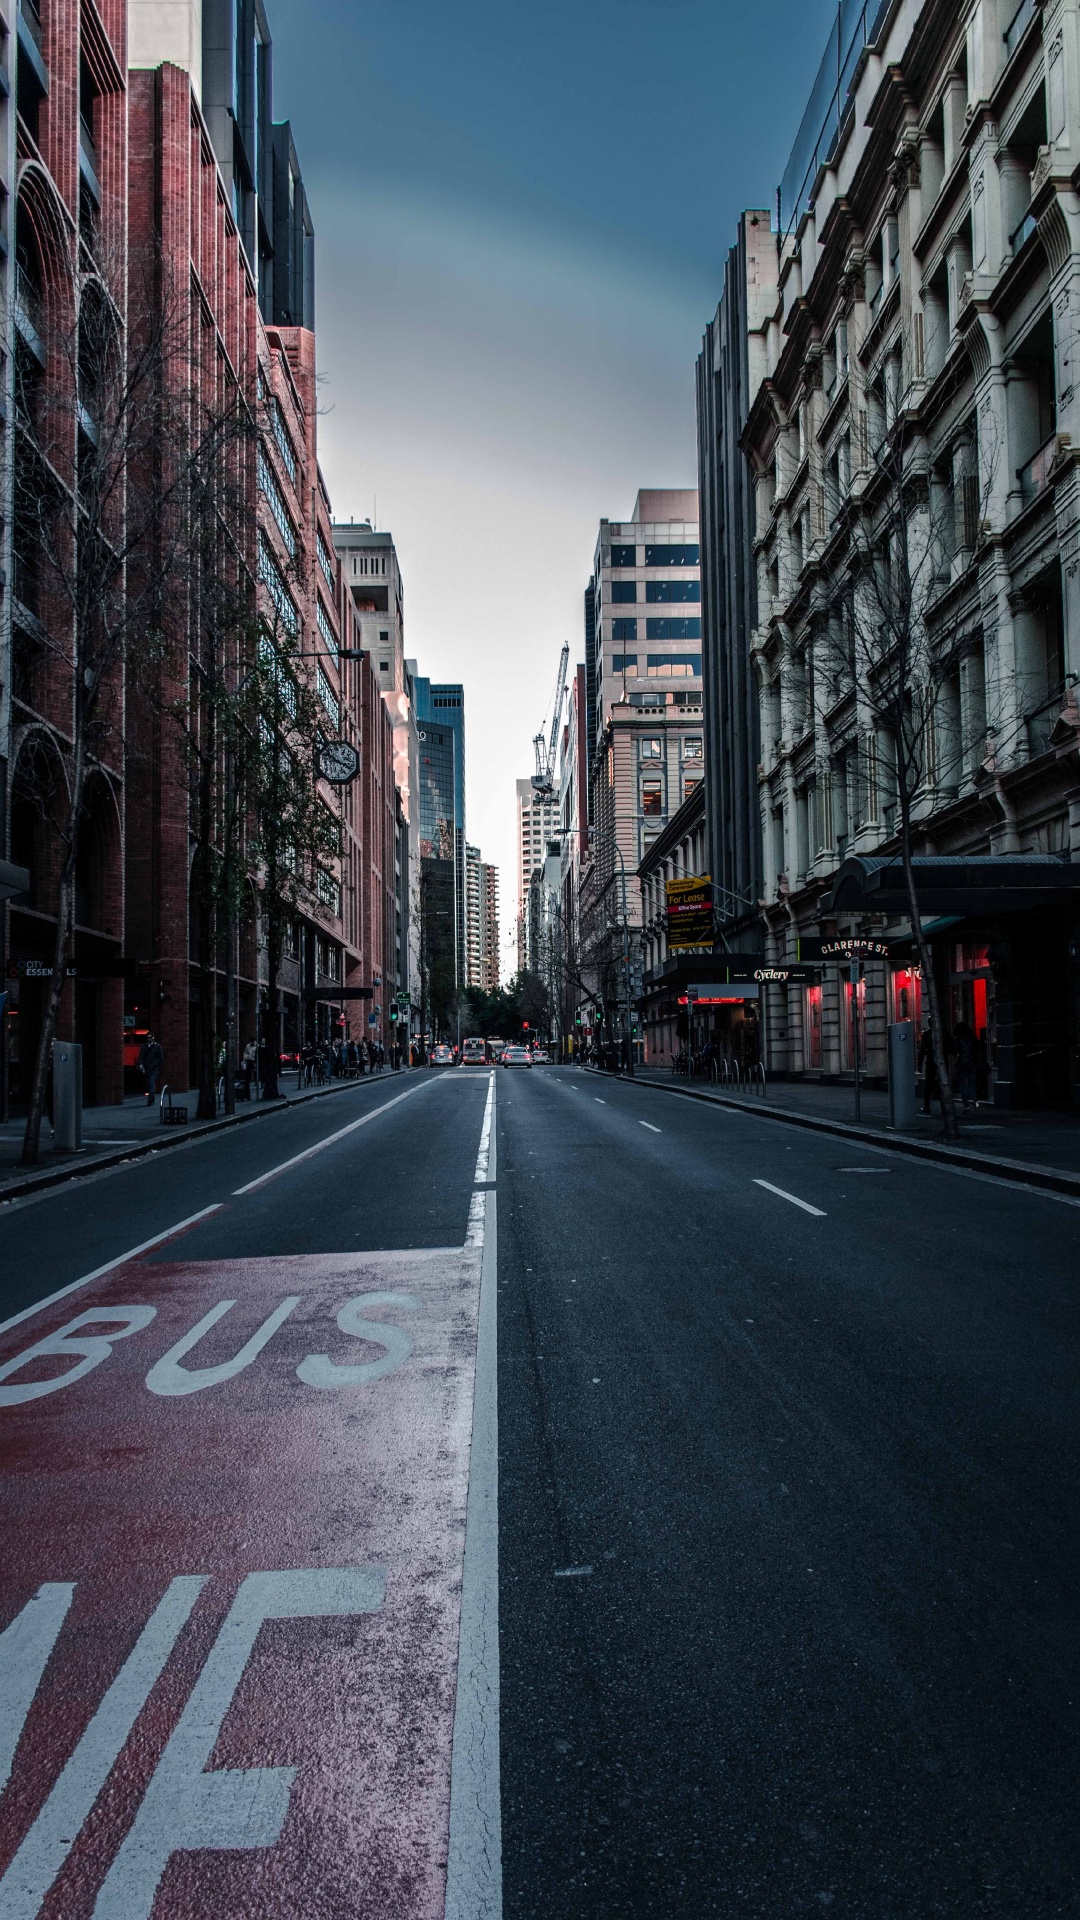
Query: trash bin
902, 1074
67, 1096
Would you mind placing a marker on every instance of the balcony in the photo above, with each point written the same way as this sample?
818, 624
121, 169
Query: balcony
1034, 477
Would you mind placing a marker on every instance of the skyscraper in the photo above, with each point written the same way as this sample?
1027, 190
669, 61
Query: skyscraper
481, 922
440, 711
538, 824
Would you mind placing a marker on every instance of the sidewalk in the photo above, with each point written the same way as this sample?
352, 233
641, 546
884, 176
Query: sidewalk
1040, 1145
125, 1132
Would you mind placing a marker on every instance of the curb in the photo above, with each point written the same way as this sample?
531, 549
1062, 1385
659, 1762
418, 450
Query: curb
1020, 1172
41, 1182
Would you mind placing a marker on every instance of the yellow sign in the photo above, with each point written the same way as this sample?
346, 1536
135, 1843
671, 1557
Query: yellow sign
689, 912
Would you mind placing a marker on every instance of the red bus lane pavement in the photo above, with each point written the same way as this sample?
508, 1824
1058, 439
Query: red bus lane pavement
235, 1507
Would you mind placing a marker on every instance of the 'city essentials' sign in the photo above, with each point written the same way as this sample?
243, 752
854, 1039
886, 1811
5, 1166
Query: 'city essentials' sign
689, 912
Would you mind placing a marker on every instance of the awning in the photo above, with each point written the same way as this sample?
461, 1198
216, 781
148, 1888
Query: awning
13, 880
955, 884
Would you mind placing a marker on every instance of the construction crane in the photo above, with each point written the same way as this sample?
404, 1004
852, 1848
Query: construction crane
543, 779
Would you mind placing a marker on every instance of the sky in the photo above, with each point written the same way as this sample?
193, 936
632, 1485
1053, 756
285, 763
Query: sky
521, 215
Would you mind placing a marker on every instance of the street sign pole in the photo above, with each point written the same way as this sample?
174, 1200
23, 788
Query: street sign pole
856, 972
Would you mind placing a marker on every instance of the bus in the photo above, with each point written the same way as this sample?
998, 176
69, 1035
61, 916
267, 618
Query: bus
495, 1049
473, 1053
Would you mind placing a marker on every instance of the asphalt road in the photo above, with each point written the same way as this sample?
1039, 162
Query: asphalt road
788, 1522
785, 1557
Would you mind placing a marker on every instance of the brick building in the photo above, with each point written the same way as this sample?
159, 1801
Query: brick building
66, 181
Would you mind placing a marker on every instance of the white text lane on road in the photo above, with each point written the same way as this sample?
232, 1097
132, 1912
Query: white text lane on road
818, 1212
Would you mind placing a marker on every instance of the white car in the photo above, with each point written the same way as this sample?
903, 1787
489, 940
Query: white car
441, 1057
517, 1057
541, 1059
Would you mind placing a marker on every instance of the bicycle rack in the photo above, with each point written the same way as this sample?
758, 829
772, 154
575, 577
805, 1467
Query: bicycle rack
172, 1116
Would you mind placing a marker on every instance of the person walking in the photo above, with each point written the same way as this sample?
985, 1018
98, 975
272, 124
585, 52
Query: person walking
967, 1064
247, 1068
151, 1061
931, 1090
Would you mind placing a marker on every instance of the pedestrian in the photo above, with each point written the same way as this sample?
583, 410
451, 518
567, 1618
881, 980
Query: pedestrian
151, 1061
967, 1063
931, 1089
247, 1068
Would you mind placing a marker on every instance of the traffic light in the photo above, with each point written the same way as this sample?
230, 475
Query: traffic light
577, 1019
524, 1026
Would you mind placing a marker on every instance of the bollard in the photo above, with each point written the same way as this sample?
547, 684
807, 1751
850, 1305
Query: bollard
902, 1074
67, 1096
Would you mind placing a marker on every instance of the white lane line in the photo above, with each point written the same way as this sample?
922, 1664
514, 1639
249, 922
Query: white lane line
864, 1169
132, 1253
599, 1102
320, 1145
474, 1861
647, 1123
818, 1212
481, 1174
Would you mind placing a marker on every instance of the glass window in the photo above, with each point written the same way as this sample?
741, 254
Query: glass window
692, 749
813, 1027
673, 629
624, 556
652, 749
652, 797
847, 1025
624, 629
623, 591
624, 663
907, 994
325, 628
673, 666
673, 556
690, 781
328, 697
325, 561
667, 590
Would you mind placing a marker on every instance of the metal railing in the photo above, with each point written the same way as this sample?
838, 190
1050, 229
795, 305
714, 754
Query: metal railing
1018, 25
1035, 475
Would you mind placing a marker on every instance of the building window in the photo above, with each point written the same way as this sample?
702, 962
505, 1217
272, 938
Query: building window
384, 639
624, 663
329, 891
858, 995
688, 628
275, 500
328, 697
623, 592
692, 748
384, 666
813, 1027
271, 576
327, 631
281, 438
325, 560
624, 556
907, 995
624, 629
668, 590
673, 556
652, 798
690, 782
651, 749
671, 666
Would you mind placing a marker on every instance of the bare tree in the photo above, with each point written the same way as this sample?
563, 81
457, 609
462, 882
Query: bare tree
103, 442
890, 639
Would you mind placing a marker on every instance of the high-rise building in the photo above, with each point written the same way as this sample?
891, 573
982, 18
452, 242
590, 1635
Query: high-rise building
481, 922
643, 656
729, 371
538, 825
441, 707
372, 583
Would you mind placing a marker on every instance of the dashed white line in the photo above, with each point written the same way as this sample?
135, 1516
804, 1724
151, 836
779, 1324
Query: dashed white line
599, 1102
647, 1123
132, 1253
330, 1140
818, 1212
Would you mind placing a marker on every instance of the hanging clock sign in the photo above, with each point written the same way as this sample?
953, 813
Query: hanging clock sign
338, 762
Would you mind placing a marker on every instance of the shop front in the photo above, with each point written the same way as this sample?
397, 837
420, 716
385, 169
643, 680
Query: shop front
1004, 935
